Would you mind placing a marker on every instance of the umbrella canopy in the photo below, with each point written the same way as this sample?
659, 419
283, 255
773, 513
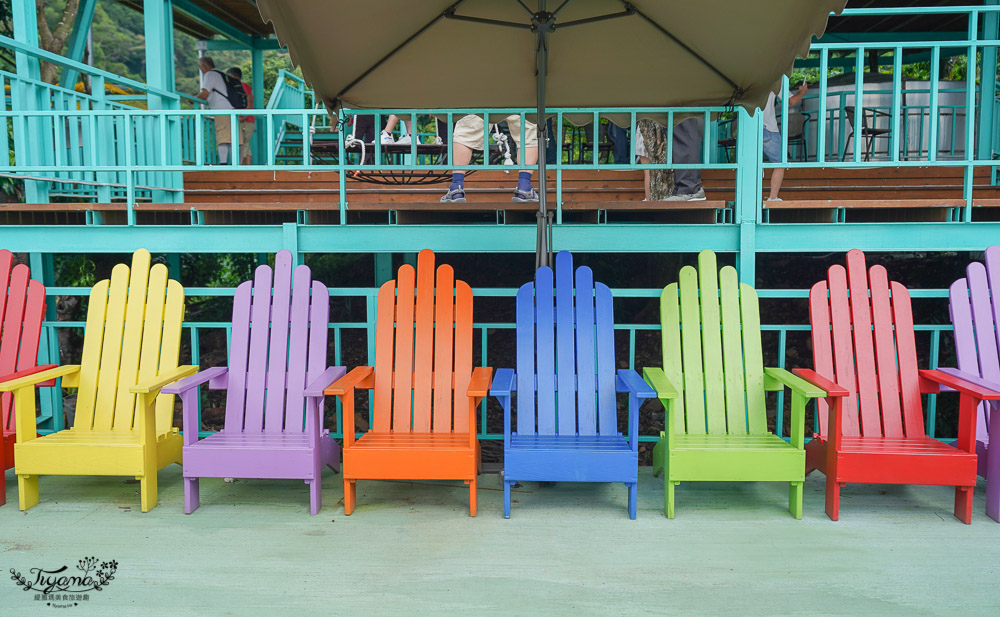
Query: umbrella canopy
427, 54
565, 53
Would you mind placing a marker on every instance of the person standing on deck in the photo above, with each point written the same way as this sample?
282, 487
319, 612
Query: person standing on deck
216, 94
246, 122
772, 138
688, 134
469, 136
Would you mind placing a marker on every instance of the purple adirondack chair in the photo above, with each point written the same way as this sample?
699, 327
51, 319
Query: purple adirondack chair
975, 314
274, 418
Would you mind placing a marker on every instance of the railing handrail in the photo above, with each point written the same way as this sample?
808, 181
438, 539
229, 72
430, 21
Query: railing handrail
280, 84
916, 10
82, 68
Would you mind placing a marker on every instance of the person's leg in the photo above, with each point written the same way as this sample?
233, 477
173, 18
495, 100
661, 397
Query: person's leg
222, 137
364, 128
442, 131
645, 176
524, 191
468, 137
777, 175
687, 149
619, 140
552, 143
772, 154
390, 126
246, 132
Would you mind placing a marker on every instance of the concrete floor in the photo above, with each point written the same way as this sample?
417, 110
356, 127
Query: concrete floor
411, 549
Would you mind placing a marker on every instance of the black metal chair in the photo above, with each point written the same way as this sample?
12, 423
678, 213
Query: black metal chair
869, 132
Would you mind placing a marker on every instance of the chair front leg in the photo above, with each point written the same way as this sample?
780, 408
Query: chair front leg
147, 441
993, 465
27, 484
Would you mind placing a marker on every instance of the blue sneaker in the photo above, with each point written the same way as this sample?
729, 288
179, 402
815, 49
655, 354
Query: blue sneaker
453, 196
522, 196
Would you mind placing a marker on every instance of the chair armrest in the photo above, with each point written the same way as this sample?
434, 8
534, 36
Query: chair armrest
479, 386
330, 375
969, 377
504, 382
31, 371
794, 383
832, 388
349, 381
629, 381
655, 377
155, 383
182, 386
961, 385
34, 379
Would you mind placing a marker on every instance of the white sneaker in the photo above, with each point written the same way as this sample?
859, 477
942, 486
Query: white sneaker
438, 141
387, 139
403, 141
773, 199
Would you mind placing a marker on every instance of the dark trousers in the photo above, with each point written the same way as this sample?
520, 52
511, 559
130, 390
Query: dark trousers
364, 127
687, 149
620, 142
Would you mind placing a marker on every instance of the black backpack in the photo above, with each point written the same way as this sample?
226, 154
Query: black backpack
235, 94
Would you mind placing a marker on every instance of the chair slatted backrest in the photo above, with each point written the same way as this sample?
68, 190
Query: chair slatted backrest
278, 344
712, 351
975, 314
133, 332
423, 351
22, 307
862, 335
565, 354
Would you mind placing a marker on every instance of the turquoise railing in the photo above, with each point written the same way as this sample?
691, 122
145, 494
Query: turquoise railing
775, 340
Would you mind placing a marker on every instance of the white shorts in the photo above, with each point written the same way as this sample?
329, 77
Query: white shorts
469, 131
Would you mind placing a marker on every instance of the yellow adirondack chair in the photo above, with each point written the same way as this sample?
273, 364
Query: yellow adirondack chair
122, 428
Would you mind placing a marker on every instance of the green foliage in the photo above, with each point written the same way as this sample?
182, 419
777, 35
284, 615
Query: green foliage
210, 270
74, 270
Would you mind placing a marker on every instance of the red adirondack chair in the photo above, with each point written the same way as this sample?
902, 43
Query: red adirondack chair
22, 307
863, 342
426, 391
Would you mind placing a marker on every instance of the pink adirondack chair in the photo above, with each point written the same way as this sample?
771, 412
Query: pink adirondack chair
975, 314
22, 306
275, 379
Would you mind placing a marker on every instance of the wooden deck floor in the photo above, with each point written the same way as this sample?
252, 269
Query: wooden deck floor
411, 549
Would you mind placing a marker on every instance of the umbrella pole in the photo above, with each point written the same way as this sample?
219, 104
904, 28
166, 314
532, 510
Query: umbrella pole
542, 246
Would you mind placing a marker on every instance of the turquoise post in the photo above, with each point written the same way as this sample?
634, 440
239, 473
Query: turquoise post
749, 188
257, 87
29, 98
158, 23
988, 84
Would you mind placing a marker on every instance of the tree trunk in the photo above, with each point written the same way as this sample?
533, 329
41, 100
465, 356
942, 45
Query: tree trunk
661, 181
53, 40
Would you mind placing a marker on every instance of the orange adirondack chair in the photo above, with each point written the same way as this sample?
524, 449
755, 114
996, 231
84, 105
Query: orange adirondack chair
426, 392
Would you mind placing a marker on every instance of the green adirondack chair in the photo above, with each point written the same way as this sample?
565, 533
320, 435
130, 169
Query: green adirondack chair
712, 385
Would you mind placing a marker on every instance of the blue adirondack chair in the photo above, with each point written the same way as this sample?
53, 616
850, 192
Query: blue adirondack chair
566, 381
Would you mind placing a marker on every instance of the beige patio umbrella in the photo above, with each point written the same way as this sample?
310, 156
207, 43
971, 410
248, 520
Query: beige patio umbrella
562, 53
